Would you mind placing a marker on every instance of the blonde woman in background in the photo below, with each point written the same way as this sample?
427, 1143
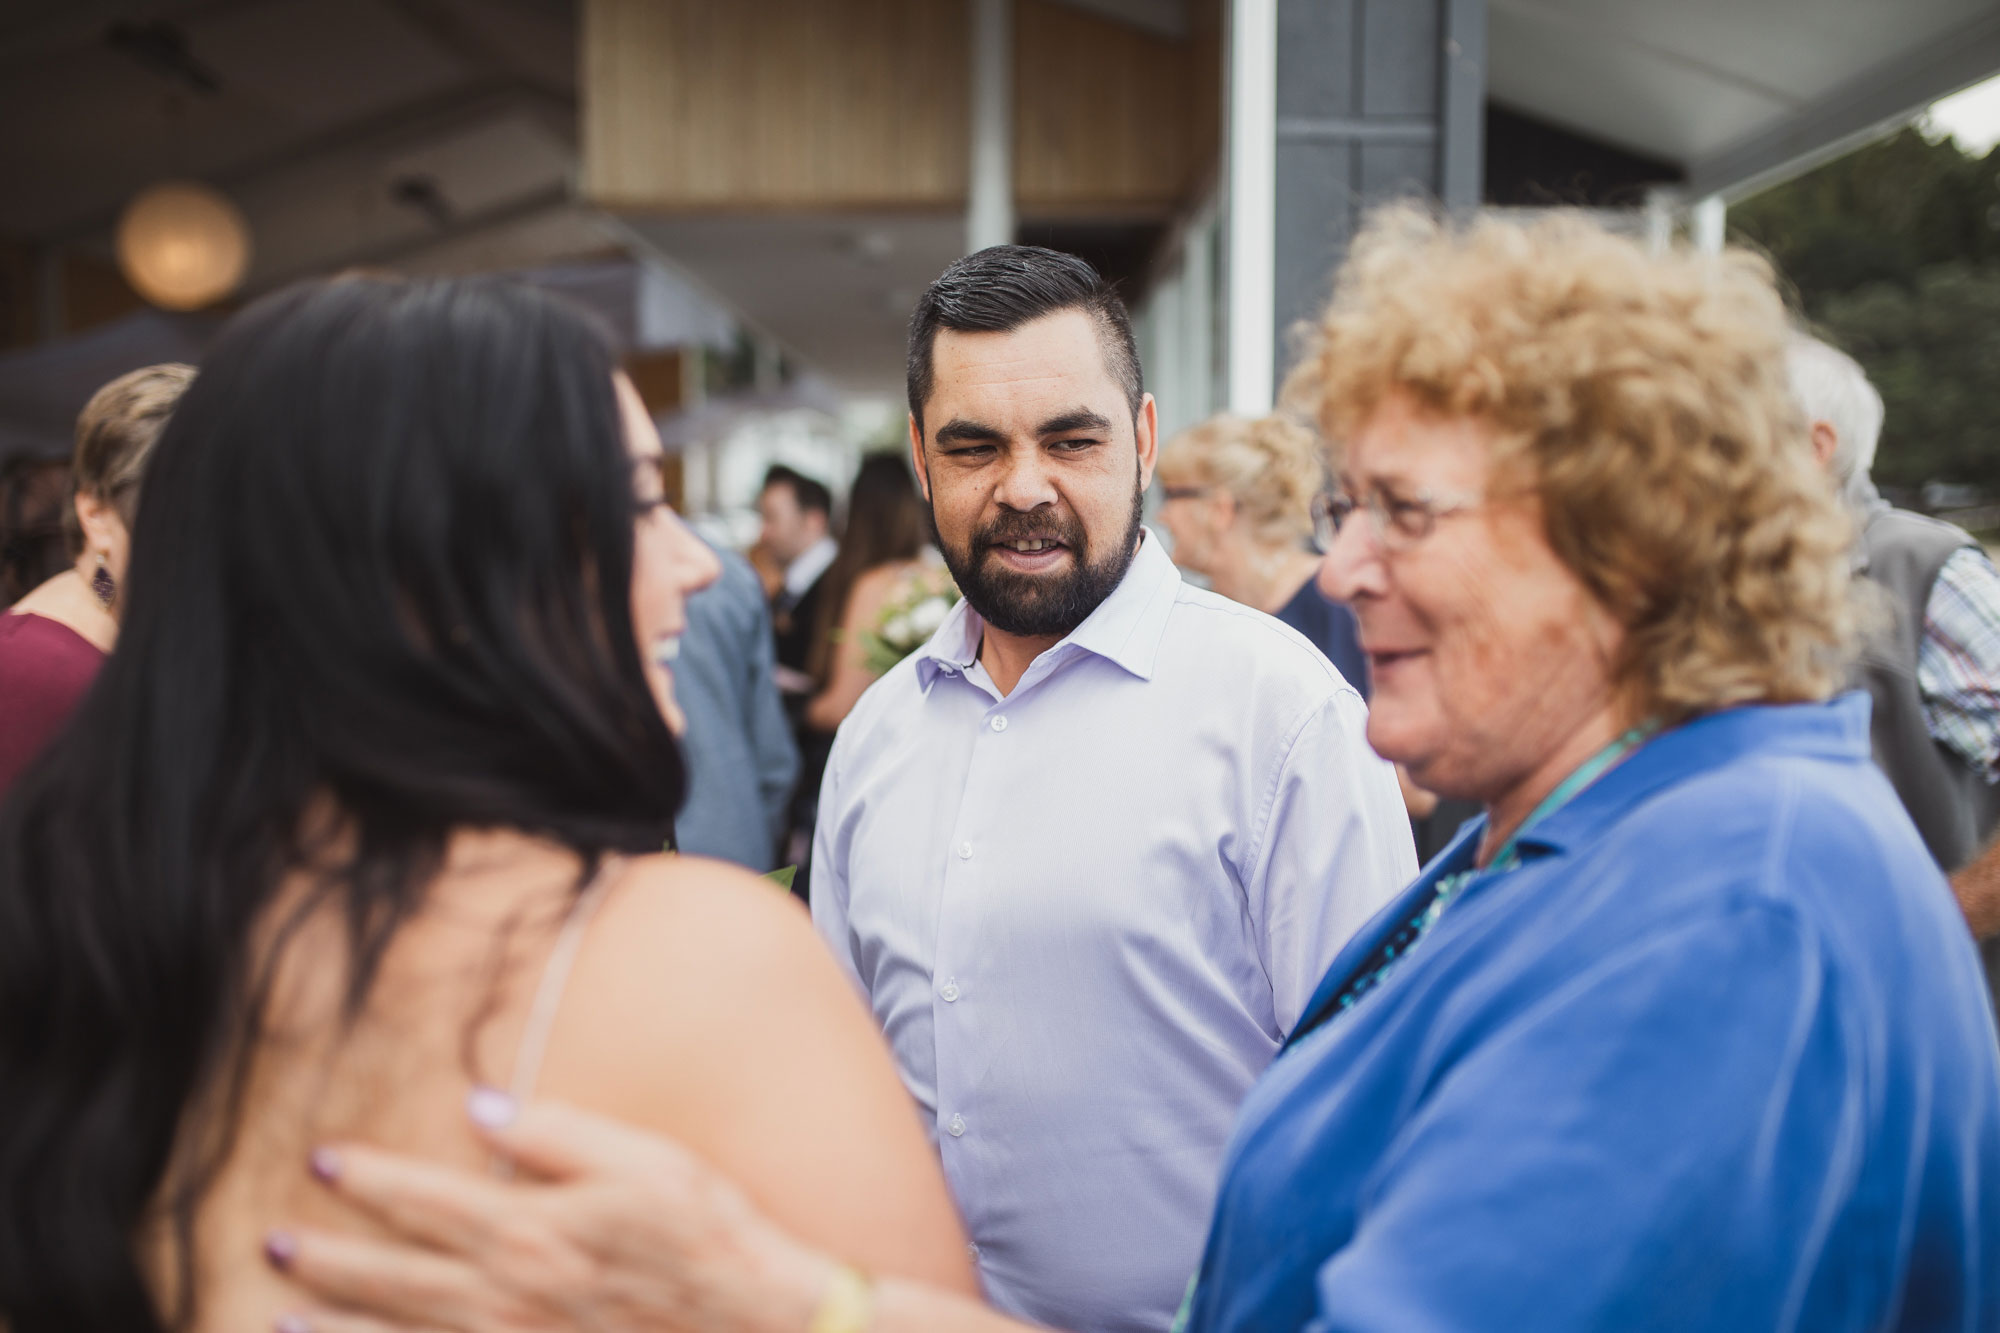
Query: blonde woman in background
53, 640
1237, 499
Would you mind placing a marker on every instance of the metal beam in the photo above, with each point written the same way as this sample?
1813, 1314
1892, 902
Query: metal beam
1865, 108
382, 255
1462, 109
407, 123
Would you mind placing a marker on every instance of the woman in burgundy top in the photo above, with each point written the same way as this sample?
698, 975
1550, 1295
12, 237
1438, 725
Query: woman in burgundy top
53, 640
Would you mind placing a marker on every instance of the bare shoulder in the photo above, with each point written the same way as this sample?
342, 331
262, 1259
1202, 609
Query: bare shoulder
704, 1007
680, 923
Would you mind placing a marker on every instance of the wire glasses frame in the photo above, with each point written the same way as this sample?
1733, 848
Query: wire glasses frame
1399, 522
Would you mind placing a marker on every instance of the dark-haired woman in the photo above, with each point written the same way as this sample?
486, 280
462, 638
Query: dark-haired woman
366, 813
880, 559
54, 639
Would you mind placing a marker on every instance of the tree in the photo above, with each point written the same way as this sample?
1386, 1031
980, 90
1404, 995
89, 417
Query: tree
1893, 252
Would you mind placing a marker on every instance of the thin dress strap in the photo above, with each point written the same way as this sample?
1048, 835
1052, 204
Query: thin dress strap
549, 994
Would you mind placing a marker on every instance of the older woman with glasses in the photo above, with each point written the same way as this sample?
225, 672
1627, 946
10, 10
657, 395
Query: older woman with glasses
1685, 1033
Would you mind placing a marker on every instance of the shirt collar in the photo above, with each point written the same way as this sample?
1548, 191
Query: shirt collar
1126, 628
803, 572
1835, 730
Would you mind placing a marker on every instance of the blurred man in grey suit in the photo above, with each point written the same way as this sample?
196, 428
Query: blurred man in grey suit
738, 747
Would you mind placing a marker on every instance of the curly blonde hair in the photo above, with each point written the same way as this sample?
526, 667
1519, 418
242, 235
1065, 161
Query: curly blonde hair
1272, 467
1642, 400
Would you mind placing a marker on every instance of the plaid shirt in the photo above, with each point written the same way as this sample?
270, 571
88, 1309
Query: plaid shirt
1958, 662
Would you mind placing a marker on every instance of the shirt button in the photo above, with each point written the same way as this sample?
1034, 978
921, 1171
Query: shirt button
972, 1248
949, 991
1000, 723
956, 1127
965, 851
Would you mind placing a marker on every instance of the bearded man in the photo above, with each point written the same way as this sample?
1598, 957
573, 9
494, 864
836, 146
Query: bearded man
1086, 852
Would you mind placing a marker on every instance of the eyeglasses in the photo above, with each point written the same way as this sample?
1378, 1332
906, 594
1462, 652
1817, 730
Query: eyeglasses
1399, 522
1183, 492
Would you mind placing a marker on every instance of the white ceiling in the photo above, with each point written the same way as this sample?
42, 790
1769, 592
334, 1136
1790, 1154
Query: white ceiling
324, 108
1732, 89
320, 110
835, 291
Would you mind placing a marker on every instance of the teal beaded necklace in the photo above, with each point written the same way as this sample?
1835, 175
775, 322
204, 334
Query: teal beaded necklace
1381, 960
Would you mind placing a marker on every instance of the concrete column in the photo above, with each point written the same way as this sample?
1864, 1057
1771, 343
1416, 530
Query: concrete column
989, 214
1373, 99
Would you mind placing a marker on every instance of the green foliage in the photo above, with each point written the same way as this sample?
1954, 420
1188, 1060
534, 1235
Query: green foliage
1894, 255
783, 877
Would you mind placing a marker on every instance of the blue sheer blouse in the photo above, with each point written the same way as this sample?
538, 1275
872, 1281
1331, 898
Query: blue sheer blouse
1717, 1055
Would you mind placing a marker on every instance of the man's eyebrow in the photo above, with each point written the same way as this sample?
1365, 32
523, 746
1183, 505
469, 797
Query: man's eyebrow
1081, 418
960, 431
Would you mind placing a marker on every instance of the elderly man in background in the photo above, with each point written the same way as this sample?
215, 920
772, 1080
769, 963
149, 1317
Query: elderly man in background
738, 745
1934, 672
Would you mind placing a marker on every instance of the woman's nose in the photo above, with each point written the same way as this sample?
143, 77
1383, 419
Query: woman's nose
703, 566
1352, 566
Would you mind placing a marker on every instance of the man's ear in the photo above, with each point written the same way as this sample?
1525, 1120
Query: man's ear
917, 458
1825, 443
1146, 434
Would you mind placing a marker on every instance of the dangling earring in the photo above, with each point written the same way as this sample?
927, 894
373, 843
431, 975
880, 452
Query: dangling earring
104, 585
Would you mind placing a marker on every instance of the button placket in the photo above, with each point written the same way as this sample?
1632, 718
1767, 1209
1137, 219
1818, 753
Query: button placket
956, 1127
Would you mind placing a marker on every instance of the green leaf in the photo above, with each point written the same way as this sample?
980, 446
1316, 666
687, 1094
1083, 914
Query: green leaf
783, 877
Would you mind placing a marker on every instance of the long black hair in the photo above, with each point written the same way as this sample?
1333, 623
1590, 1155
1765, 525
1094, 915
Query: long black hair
383, 567
886, 521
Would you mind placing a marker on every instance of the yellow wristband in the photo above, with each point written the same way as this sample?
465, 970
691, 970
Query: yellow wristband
847, 1304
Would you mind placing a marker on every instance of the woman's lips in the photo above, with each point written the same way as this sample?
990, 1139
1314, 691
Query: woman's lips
1389, 660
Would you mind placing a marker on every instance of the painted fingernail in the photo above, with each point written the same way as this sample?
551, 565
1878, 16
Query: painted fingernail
324, 1163
491, 1108
281, 1247
291, 1323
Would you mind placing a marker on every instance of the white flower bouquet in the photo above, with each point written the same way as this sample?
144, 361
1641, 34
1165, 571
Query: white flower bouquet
908, 621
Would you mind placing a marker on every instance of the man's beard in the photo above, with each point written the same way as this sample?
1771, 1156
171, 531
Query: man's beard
1038, 606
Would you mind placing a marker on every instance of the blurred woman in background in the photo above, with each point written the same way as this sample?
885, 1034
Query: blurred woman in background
368, 810
881, 554
55, 638
1237, 499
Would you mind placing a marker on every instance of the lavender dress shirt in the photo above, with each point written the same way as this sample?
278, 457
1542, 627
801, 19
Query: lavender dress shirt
1087, 914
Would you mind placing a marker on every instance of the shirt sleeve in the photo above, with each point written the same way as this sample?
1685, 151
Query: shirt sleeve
829, 875
1335, 847
1569, 1174
1958, 660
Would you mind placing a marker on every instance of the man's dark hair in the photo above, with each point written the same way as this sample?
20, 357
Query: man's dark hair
1002, 287
813, 497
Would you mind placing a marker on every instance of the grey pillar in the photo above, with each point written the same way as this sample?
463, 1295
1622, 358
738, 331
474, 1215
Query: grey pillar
1376, 98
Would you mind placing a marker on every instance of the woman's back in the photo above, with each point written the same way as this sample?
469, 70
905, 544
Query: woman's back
697, 1005
405, 569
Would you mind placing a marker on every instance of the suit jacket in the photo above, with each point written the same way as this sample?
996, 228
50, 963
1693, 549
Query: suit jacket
739, 749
